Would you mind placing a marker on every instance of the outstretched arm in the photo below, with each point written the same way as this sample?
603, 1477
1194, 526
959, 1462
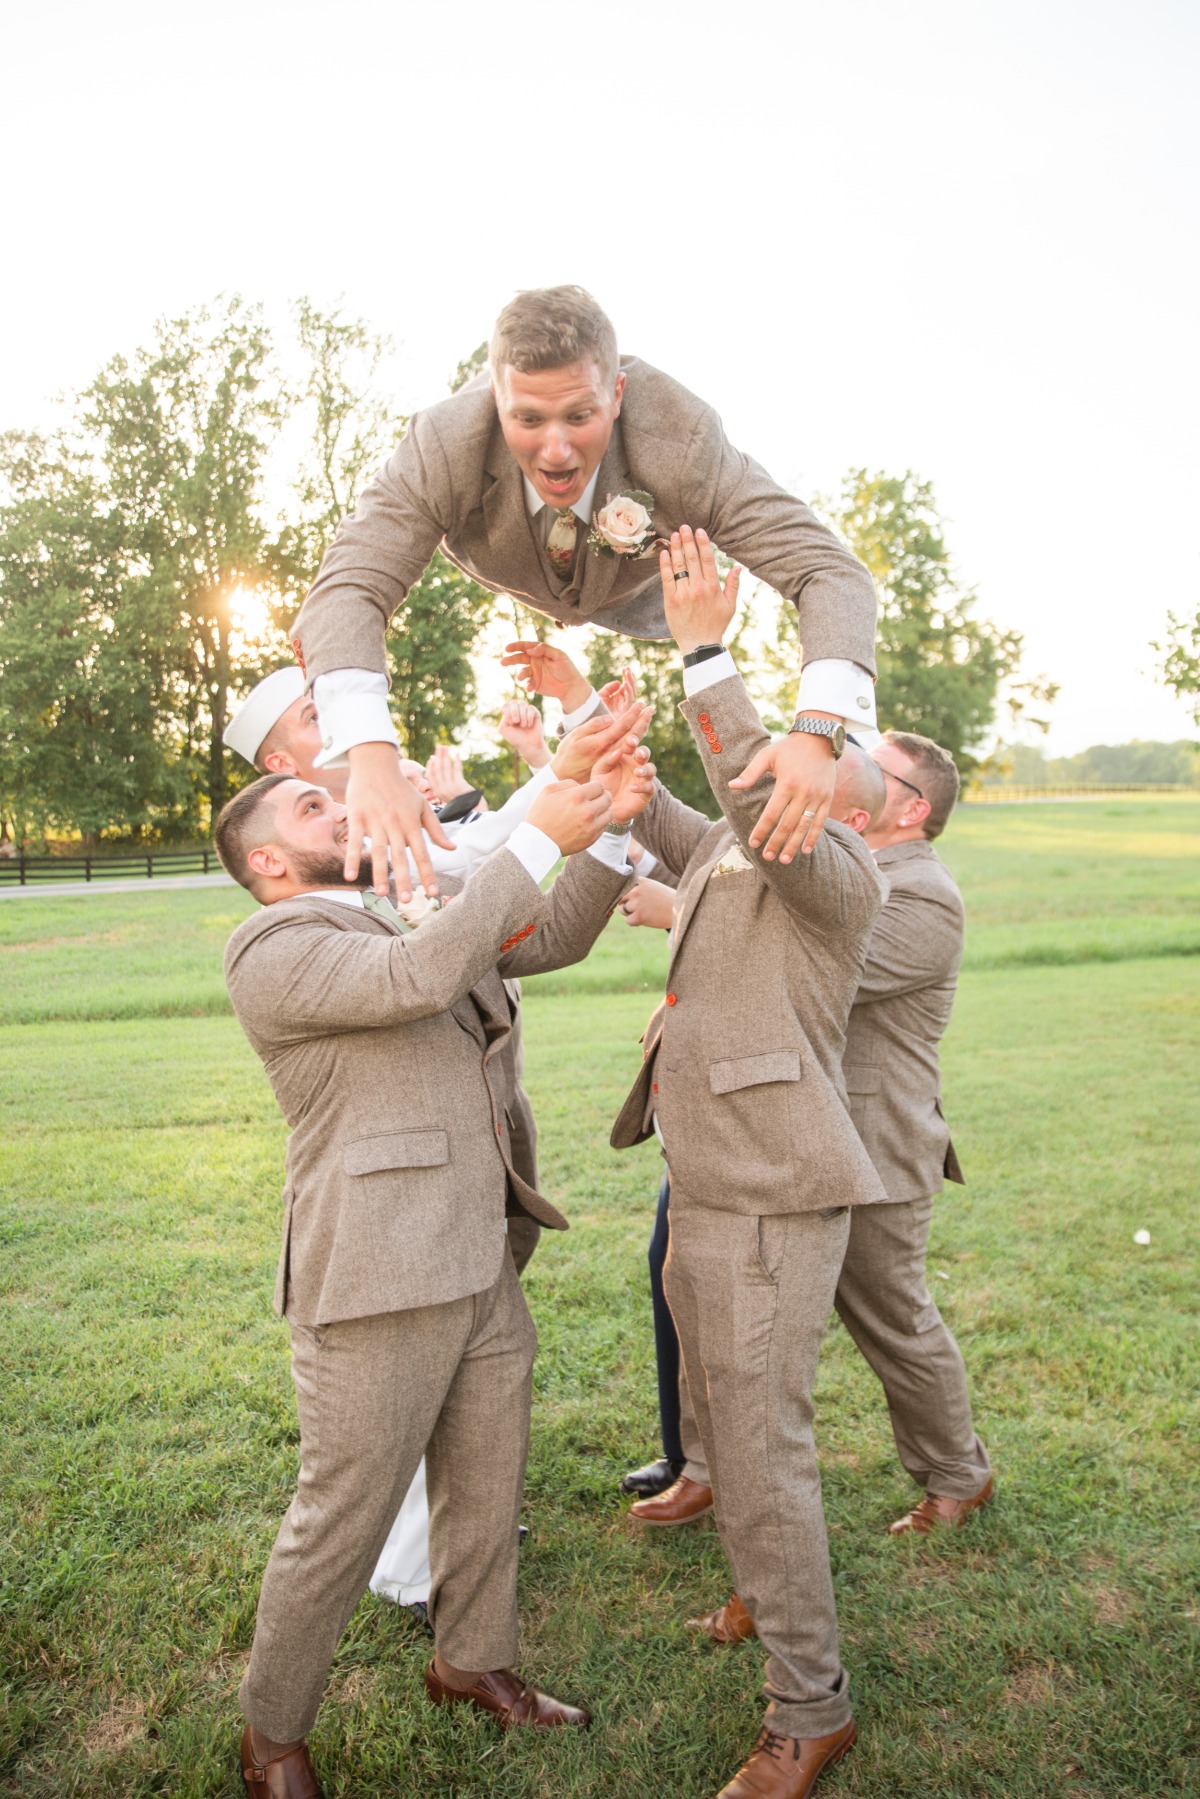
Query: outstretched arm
836, 878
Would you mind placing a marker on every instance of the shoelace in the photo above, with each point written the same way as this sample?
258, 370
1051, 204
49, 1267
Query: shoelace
771, 1743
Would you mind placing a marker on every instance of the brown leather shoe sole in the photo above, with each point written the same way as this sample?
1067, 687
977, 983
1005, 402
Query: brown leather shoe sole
289, 1776
504, 1696
936, 1510
682, 1503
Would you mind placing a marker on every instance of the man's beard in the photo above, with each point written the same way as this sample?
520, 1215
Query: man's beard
325, 868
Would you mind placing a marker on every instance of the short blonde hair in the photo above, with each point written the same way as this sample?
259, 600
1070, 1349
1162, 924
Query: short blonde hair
550, 328
936, 774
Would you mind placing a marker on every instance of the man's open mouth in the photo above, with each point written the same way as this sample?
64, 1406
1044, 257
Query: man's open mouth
558, 481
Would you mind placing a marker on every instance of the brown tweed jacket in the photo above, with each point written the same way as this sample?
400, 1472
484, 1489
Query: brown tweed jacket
743, 1060
901, 1010
388, 1056
452, 482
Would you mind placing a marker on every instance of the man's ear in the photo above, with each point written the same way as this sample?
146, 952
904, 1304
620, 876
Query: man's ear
267, 861
278, 762
857, 819
915, 813
619, 389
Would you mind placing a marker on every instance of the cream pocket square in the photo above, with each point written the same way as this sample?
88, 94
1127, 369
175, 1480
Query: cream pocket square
733, 862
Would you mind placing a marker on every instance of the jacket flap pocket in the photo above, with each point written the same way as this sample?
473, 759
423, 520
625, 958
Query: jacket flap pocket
399, 1149
862, 1079
754, 1071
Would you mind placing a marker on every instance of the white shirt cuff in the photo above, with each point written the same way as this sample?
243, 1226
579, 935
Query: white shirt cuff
830, 685
536, 852
613, 851
707, 673
647, 862
580, 714
352, 707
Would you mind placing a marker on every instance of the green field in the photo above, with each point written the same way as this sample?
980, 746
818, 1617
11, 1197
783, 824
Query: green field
148, 1444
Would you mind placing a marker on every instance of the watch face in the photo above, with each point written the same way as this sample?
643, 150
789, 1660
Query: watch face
838, 739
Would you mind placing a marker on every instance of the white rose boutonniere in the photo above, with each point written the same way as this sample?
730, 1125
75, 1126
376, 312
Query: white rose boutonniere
623, 526
416, 910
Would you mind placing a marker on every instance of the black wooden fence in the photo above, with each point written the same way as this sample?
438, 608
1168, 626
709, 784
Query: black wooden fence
21, 871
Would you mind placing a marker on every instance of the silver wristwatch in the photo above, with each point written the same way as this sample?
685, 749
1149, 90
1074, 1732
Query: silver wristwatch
617, 830
831, 728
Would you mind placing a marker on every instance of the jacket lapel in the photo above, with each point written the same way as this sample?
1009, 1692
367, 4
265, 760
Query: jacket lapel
595, 572
690, 896
504, 511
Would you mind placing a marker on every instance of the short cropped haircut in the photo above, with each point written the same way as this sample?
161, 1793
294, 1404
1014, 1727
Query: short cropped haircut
861, 782
241, 828
936, 775
550, 328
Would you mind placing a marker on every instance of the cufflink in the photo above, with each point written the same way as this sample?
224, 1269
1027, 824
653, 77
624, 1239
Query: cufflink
864, 704
327, 742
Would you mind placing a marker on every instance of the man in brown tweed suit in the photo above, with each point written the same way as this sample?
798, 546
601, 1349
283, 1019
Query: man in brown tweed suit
410, 1336
893, 1087
511, 478
742, 1080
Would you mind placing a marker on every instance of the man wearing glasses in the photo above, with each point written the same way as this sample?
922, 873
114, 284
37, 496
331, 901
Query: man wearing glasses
892, 1080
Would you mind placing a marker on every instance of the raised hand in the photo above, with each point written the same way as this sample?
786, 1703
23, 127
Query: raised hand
543, 669
571, 813
444, 772
628, 776
581, 748
521, 728
382, 805
620, 693
698, 604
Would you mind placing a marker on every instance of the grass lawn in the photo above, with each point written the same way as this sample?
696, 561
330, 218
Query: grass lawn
148, 1445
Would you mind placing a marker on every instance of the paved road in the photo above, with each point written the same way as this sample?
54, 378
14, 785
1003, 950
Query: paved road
114, 884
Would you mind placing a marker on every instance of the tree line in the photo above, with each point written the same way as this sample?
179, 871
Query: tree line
132, 535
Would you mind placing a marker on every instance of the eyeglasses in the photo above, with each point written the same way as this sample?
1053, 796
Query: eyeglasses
903, 782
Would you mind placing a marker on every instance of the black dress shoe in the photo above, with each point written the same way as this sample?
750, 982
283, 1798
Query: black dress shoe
522, 1535
654, 1478
420, 1611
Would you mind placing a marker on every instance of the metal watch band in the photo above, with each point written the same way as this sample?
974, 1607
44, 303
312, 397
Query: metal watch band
814, 727
832, 730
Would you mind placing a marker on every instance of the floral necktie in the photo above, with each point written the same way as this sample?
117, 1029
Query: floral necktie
560, 542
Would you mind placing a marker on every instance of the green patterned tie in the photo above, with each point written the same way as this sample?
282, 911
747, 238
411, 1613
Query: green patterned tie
380, 903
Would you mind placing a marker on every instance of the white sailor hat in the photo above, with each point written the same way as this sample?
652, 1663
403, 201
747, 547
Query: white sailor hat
261, 711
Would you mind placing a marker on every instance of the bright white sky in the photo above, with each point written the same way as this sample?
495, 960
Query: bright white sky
957, 236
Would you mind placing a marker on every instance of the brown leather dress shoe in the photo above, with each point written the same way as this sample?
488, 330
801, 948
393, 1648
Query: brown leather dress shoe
936, 1509
684, 1500
732, 1623
788, 1767
289, 1776
506, 1697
